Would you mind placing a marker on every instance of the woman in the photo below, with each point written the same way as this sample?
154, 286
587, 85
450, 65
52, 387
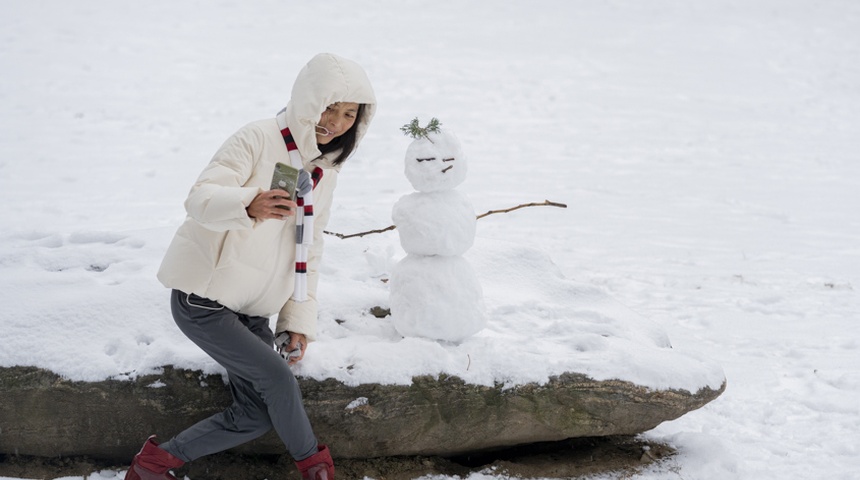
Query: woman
245, 253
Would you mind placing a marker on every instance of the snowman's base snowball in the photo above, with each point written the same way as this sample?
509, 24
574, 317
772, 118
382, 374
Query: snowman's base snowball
436, 297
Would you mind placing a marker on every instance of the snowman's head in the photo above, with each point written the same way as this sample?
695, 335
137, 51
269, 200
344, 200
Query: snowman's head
435, 162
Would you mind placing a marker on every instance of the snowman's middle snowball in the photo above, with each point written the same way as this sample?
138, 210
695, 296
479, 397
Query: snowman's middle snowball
435, 223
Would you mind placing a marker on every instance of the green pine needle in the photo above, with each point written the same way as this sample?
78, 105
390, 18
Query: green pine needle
414, 130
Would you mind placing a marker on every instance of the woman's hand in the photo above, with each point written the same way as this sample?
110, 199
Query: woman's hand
300, 342
291, 346
272, 204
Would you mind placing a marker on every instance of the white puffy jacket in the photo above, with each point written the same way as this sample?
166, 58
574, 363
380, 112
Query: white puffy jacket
219, 252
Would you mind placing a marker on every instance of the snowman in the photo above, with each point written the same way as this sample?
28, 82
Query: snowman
434, 292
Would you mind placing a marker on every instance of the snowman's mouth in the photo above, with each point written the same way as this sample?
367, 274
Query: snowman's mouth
446, 169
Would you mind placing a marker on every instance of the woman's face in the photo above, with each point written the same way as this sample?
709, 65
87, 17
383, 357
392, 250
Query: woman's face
335, 121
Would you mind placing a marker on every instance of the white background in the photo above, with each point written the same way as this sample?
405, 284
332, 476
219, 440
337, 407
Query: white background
708, 152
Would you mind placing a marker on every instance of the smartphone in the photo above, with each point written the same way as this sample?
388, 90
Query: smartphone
285, 178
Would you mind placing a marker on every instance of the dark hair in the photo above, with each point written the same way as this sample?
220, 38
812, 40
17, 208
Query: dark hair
346, 141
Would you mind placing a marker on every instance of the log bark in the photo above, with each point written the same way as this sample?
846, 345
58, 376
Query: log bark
42, 414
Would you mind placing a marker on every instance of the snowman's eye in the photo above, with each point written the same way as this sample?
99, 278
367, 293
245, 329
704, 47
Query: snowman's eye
426, 159
448, 159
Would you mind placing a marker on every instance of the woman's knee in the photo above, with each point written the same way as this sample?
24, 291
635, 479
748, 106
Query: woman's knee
278, 379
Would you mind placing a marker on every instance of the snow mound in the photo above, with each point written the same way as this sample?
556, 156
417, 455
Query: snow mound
540, 324
87, 306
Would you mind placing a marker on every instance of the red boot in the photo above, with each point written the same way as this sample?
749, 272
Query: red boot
152, 463
318, 466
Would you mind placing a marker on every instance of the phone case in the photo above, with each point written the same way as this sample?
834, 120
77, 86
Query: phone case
285, 178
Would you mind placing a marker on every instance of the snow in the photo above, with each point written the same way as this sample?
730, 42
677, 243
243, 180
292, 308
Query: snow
435, 162
437, 297
434, 292
358, 402
435, 223
708, 152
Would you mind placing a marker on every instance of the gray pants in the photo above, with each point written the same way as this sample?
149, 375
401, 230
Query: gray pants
266, 395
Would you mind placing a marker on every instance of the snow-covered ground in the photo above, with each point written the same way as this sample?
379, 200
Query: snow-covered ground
708, 153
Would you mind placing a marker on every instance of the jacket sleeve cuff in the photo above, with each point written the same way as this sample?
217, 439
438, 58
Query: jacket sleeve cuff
299, 317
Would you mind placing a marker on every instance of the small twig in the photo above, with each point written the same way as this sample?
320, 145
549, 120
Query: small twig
360, 234
546, 203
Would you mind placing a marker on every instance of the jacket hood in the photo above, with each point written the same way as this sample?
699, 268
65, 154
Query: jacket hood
325, 80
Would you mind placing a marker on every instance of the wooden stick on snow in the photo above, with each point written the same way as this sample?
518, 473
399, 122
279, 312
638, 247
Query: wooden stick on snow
546, 203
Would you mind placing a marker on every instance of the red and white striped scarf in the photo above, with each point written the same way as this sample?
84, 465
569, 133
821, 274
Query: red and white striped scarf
304, 216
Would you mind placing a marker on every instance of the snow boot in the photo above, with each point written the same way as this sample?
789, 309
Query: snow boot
152, 463
318, 466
